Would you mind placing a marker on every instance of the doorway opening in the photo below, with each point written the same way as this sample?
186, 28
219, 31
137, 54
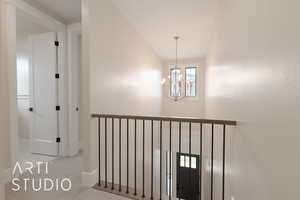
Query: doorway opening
188, 170
37, 90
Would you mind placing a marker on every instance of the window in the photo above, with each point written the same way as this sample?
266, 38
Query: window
22, 76
188, 84
175, 78
190, 81
185, 161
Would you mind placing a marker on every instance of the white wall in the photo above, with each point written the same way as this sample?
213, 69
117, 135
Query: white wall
120, 73
4, 115
26, 27
253, 77
190, 106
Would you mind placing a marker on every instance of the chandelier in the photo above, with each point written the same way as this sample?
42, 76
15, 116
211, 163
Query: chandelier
175, 78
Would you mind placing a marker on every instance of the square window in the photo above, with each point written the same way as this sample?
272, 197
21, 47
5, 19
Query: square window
190, 81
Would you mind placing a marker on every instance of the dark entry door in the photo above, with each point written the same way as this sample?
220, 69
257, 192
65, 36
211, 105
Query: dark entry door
187, 176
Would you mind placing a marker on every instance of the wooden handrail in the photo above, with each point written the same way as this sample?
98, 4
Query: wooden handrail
166, 118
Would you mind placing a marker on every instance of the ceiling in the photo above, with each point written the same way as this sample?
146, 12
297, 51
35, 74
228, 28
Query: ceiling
25, 26
158, 21
65, 11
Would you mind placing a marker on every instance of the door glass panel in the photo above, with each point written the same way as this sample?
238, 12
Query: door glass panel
182, 161
193, 163
187, 161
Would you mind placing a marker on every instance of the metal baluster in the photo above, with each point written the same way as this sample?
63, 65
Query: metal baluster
190, 159
105, 153
99, 149
143, 159
170, 160
113, 152
223, 173
127, 188
212, 164
160, 163
135, 157
179, 158
151, 159
192, 191
120, 156
201, 146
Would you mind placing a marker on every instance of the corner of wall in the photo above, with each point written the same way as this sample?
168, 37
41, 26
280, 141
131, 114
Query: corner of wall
89, 179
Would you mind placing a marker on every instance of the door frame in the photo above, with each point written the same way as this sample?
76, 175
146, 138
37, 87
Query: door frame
10, 8
73, 31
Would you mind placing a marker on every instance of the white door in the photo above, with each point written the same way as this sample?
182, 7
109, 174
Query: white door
44, 95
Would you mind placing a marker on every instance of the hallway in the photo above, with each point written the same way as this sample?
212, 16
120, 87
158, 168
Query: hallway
155, 95
92, 194
57, 168
65, 167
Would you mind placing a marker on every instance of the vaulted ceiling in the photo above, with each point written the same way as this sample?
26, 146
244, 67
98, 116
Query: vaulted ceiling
159, 20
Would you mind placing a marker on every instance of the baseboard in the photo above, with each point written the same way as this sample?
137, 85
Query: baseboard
89, 179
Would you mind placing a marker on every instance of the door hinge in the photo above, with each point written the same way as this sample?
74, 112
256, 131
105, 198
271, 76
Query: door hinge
56, 43
57, 108
58, 139
57, 76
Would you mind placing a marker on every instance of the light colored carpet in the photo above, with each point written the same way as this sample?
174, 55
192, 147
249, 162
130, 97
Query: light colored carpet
92, 194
